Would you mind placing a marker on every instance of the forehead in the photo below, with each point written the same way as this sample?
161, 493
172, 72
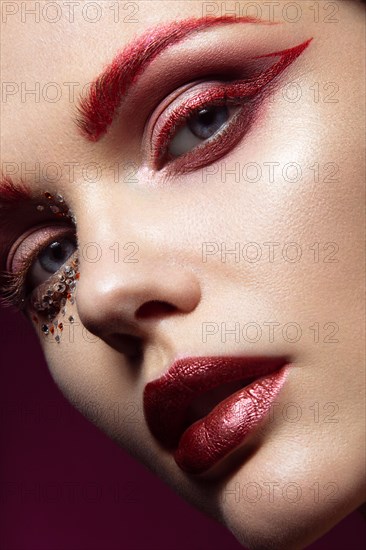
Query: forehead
51, 51
49, 57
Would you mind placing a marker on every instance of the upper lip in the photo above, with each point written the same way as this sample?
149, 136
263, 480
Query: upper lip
167, 399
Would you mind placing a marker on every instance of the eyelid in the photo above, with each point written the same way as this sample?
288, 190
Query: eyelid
45, 234
183, 103
165, 106
249, 87
179, 111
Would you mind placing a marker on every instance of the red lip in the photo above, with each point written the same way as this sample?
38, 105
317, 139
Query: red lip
168, 403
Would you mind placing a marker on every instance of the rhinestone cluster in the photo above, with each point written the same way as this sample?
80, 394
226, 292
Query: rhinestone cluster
57, 205
51, 300
53, 303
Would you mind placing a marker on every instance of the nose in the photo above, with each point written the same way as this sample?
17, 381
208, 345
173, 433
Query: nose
122, 300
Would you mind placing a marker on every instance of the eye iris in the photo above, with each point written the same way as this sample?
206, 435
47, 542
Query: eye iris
55, 255
208, 120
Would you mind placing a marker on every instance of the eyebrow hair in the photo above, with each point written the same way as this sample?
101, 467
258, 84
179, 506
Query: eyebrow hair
95, 112
11, 193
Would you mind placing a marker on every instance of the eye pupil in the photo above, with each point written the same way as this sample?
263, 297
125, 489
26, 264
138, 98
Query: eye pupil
55, 255
207, 115
56, 250
208, 120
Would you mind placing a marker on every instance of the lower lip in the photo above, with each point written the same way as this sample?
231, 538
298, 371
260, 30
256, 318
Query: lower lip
206, 442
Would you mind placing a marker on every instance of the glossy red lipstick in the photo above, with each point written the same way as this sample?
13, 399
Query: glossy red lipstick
168, 404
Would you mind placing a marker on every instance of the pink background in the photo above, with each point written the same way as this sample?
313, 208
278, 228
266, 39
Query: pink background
66, 486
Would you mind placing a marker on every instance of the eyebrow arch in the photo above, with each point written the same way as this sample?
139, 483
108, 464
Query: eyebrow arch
95, 112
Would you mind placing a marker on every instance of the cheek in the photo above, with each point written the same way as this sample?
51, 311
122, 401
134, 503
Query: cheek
290, 203
99, 384
300, 475
289, 509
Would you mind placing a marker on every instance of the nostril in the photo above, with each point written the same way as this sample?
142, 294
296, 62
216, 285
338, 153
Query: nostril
154, 308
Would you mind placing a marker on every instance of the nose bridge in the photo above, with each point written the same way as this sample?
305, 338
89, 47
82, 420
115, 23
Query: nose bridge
127, 264
109, 222
120, 235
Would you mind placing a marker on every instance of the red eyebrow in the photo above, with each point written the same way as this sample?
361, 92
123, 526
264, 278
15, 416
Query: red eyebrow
97, 110
11, 193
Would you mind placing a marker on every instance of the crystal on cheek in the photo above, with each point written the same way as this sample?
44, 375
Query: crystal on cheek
52, 301
59, 287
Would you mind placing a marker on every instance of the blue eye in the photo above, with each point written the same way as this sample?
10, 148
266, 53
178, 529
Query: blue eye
202, 125
208, 120
50, 260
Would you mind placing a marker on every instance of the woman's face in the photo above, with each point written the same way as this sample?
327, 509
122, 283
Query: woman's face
217, 194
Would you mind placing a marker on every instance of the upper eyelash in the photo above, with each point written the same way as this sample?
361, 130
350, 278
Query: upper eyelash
12, 285
225, 94
238, 93
182, 119
238, 90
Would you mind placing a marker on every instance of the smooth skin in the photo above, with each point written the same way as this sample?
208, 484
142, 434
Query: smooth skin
304, 469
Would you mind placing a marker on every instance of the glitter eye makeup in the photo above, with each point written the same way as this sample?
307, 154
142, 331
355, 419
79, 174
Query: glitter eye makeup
42, 268
206, 121
199, 125
51, 301
180, 230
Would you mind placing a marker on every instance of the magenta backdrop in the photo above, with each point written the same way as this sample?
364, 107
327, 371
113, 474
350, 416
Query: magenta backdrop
66, 486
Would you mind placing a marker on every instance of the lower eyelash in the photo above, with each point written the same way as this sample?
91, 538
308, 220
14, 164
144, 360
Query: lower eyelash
13, 284
50, 297
46, 298
238, 91
217, 146
220, 95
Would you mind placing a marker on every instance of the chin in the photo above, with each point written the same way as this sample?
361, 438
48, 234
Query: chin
281, 527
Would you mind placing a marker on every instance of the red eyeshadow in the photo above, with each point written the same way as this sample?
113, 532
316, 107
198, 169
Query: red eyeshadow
224, 92
97, 110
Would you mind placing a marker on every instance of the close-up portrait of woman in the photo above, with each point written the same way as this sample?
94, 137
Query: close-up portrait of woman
182, 275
